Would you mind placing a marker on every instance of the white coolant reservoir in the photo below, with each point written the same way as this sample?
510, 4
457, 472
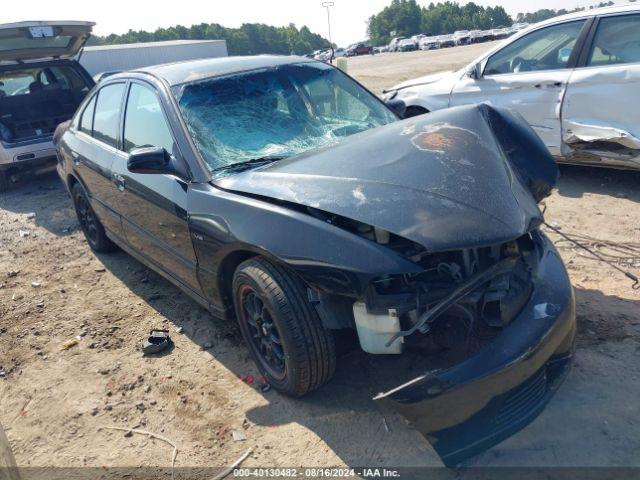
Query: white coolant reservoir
374, 331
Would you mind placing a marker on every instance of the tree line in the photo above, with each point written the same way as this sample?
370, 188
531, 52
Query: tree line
249, 39
406, 18
400, 18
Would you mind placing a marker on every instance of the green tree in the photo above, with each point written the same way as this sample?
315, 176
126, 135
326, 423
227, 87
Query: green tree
249, 39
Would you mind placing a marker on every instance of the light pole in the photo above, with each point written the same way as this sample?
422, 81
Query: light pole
328, 5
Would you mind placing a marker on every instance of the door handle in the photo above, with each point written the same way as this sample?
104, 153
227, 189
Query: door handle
548, 85
119, 181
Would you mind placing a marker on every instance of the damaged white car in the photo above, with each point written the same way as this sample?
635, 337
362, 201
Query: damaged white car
574, 78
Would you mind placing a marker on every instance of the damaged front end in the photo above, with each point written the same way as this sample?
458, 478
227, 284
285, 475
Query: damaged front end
484, 318
493, 327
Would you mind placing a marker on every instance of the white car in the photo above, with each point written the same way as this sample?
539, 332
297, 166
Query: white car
462, 37
574, 78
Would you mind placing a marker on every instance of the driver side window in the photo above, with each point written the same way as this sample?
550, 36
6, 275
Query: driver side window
545, 49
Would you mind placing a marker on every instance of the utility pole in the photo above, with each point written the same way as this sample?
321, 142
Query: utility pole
328, 5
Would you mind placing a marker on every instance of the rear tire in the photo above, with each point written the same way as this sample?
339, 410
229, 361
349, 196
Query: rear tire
285, 336
91, 226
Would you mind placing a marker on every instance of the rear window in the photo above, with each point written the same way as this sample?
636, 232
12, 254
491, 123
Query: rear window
617, 41
42, 79
62, 41
106, 118
86, 122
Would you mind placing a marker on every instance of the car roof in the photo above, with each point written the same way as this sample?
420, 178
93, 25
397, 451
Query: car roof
589, 13
192, 70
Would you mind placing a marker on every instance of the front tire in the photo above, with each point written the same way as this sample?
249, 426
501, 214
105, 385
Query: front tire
281, 327
91, 226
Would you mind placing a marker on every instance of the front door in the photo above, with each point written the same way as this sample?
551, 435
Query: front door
529, 75
154, 206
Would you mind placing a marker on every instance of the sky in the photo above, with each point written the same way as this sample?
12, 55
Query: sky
348, 17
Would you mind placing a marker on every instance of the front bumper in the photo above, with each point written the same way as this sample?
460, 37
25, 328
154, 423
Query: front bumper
476, 404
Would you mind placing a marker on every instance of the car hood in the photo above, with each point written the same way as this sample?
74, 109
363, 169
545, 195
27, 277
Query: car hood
462, 177
446, 77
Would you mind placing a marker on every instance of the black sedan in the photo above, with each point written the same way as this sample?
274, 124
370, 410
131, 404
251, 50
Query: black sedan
279, 192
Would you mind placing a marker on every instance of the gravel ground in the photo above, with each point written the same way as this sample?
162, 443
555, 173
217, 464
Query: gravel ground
53, 401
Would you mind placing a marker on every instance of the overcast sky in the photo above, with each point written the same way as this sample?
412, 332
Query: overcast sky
348, 17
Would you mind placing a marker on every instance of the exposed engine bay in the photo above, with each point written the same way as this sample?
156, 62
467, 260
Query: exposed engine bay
459, 301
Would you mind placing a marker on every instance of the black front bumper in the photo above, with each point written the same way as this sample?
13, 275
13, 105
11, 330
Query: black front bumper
476, 404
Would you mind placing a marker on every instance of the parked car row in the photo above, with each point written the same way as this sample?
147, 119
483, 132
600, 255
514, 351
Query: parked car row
327, 54
460, 37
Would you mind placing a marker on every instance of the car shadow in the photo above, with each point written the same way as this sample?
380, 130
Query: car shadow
576, 180
46, 197
342, 413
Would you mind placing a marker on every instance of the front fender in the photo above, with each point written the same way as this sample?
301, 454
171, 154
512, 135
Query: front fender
326, 257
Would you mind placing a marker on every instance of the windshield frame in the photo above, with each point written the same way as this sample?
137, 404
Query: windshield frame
178, 89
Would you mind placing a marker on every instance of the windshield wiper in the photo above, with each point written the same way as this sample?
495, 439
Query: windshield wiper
254, 162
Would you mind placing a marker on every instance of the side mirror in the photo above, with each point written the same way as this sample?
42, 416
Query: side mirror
473, 71
398, 106
149, 160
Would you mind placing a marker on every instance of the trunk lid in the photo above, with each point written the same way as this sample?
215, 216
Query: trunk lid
42, 40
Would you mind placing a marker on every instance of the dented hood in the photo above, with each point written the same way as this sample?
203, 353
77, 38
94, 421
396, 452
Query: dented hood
455, 178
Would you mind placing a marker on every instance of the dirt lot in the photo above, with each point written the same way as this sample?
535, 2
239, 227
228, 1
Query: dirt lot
53, 401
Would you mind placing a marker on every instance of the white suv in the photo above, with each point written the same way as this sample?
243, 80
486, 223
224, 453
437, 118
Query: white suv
40, 87
574, 78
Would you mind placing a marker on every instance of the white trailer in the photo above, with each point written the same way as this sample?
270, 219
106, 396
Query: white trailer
116, 58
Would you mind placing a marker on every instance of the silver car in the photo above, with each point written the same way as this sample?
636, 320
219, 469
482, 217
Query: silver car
41, 85
574, 78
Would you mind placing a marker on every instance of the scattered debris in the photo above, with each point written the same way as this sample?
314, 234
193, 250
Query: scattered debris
235, 464
12, 273
24, 233
265, 387
72, 342
94, 411
179, 330
384, 424
157, 341
100, 269
36, 284
238, 436
31, 215
159, 437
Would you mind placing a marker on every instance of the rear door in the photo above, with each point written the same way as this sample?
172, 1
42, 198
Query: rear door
154, 206
42, 40
600, 115
529, 75
93, 150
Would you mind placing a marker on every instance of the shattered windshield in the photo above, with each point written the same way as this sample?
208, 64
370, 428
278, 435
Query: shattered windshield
276, 112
